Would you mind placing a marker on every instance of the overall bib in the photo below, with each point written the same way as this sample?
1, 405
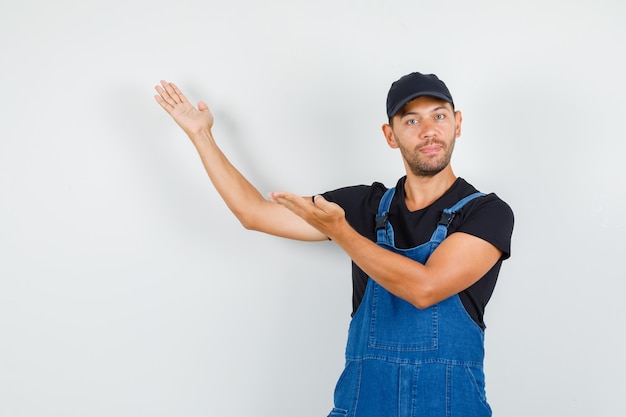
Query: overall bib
405, 362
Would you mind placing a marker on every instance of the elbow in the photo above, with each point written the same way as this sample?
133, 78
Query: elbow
248, 225
422, 304
247, 221
423, 299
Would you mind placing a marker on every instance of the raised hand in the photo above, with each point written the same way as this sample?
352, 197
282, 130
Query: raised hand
192, 120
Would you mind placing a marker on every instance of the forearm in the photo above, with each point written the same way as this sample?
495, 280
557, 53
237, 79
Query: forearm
238, 193
457, 263
401, 276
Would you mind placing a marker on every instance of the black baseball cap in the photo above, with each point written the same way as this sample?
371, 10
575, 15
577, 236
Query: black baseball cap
412, 86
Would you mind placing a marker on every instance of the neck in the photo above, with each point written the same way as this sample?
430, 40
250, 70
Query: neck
421, 192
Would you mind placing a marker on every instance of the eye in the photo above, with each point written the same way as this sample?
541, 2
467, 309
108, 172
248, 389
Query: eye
411, 122
440, 116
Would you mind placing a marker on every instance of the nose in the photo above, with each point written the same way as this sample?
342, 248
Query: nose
428, 130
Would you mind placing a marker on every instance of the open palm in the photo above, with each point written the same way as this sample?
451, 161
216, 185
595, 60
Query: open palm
192, 120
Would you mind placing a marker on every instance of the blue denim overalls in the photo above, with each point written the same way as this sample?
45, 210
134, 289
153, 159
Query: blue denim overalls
405, 362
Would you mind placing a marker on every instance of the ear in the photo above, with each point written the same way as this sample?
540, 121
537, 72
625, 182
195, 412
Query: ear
389, 136
458, 118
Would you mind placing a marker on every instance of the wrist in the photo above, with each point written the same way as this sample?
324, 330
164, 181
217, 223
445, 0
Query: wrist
201, 137
342, 233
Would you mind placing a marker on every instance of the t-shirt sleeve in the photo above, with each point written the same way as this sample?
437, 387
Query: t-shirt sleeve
359, 203
490, 219
346, 197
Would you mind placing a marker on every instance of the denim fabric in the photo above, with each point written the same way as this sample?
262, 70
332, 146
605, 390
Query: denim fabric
406, 362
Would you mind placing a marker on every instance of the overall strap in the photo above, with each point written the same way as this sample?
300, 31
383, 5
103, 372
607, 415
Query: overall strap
448, 214
384, 232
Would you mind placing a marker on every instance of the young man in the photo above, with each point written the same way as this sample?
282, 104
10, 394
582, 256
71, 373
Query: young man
426, 255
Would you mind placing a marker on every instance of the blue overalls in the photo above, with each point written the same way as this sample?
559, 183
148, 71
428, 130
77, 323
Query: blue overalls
405, 362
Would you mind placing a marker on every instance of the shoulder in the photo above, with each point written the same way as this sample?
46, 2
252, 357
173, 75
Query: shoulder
356, 195
487, 217
489, 202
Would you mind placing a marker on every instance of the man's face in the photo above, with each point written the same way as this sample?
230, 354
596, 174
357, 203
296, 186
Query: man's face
425, 131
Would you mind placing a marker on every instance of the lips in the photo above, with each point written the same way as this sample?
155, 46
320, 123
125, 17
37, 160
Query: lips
431, 148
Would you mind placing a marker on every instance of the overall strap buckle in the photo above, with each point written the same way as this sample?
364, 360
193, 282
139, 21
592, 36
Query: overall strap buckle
446, 218
381, 221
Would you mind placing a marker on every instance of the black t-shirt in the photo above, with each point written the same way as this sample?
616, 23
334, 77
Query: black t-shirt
487, 217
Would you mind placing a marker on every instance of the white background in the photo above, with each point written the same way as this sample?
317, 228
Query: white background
128, 289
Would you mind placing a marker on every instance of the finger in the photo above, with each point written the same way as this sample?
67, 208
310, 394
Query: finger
171, 96
179, 95
317, 199
165, 97
273, 197
328, 208
281, 198
292, 198
291, 201
321, 203
173, 92
164, 104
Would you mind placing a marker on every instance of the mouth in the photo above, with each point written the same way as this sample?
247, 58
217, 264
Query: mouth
433, 148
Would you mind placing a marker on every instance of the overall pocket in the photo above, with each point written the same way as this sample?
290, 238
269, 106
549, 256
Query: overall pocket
397, 325
347, 388
468, 392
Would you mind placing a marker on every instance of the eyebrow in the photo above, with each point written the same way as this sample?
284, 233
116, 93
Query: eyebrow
433, 110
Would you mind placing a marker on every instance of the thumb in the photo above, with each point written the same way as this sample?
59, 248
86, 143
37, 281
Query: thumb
320, 201
326, 206
202, 106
